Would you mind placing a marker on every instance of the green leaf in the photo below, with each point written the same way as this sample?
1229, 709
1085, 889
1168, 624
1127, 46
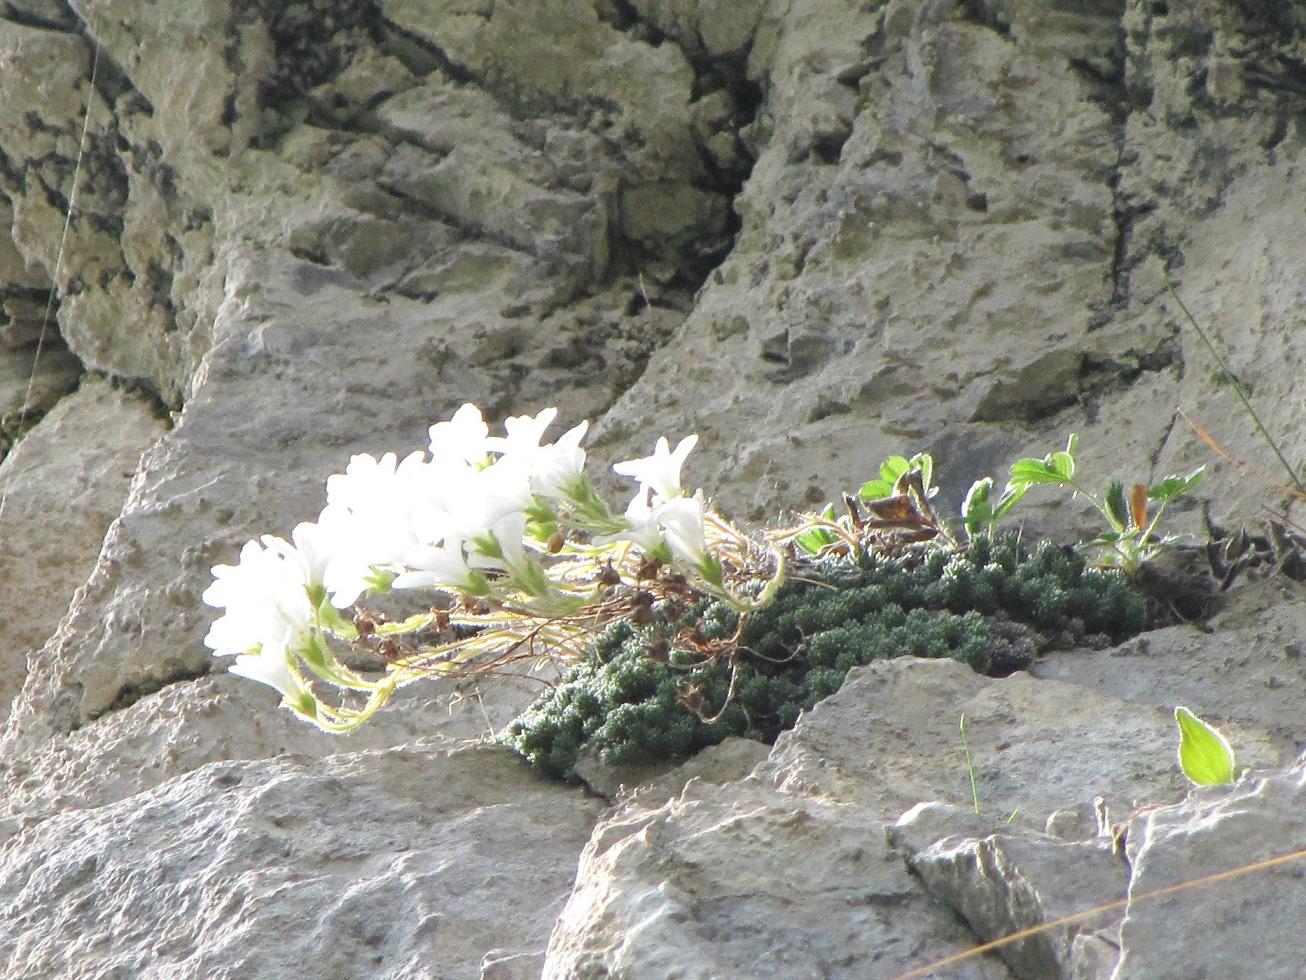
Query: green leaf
976, 509
876, 490
814, 540
1115, 504
1029, 472
1176, 486
1008, 500
1062, 464
1204, 753
892, 468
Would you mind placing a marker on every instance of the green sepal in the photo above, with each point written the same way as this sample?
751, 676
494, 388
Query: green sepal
379, 580
541, 531
329, 618
539, 512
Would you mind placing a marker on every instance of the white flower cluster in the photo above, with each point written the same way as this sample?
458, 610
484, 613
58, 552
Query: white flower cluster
478, 516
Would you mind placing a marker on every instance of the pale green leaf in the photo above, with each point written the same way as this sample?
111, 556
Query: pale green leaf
875, 490
1204, 754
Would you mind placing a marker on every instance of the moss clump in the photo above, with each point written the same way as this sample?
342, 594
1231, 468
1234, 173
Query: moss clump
988, 605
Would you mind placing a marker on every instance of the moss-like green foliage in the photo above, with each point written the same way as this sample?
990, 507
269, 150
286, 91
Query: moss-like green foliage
628, 700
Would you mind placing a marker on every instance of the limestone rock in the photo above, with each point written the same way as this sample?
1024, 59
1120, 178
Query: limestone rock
658, 894
412, 862
889, 738
1003, 881
816, 233
61, 487
1240, 922
1241, 670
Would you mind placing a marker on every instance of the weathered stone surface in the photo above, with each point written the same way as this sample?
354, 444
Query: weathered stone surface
412, 862
659, 894
890, 738
188, 724
59, 490
1003, 881
661, 886
1242, 669
845, 230
1238, 923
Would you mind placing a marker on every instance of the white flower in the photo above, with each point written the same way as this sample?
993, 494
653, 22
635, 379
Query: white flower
440, 567
269, 667
265, 598
313, 545
500, 546
556, 471
365, 479
681, 521
524, 434
642, 521
475, 500
661, 471
374, 515
460, 440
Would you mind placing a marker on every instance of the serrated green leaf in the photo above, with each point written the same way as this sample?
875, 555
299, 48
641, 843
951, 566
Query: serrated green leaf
1204, 754
1063, 464
875, 490
1029, 472
1115, 504
1176, 486
828, 513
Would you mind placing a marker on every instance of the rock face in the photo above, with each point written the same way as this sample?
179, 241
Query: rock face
248, 239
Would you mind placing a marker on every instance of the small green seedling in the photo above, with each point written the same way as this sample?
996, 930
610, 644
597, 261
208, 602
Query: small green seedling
980, 513
1204, 754
898, 500
894, 469
1129, 540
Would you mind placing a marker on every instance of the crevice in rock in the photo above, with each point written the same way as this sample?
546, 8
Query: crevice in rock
1100, 376
420, 55
622, 15
1108, 88
143, 687
982, 13
27, 18
468, 230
